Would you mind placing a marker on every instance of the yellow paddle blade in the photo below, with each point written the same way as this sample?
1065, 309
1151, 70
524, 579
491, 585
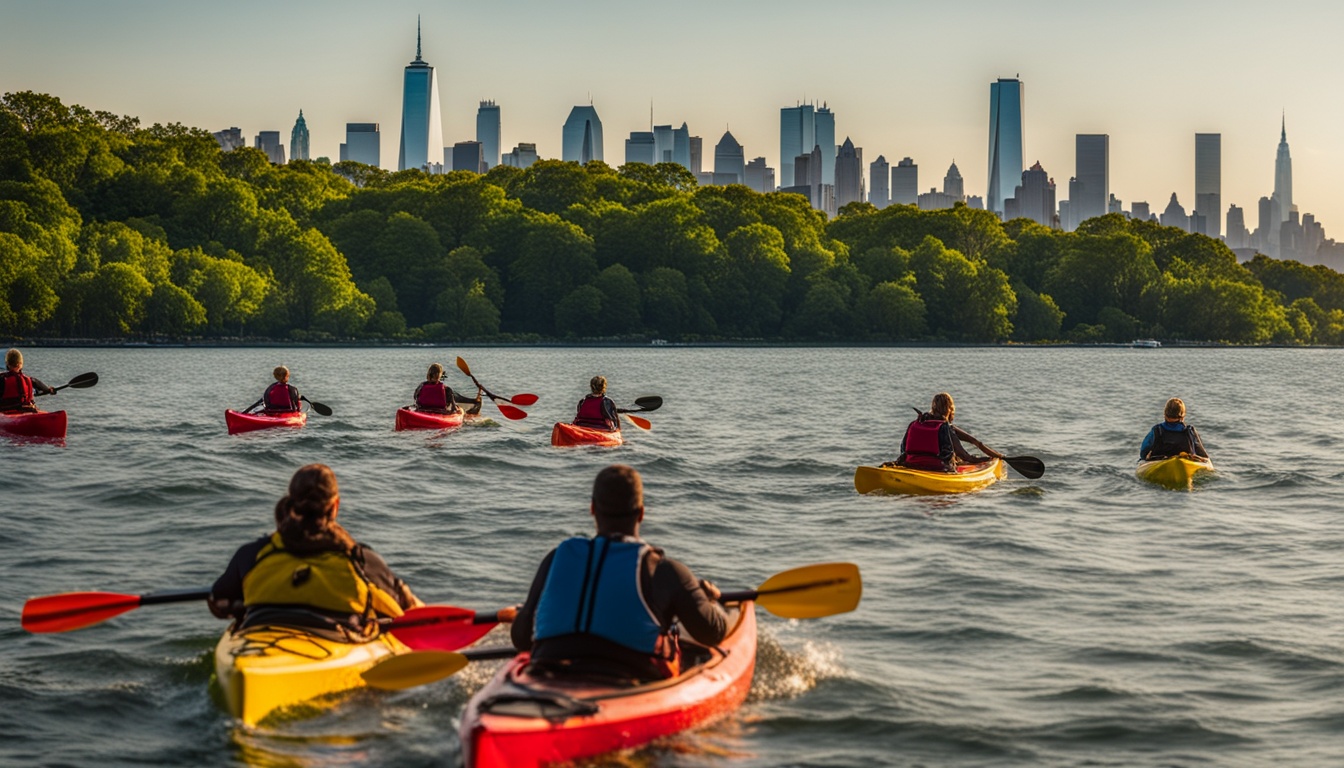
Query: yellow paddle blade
463, 367
407, 670
812, 591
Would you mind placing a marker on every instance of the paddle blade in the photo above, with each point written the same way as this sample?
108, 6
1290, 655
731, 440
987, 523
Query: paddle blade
74, 610
463, 367
510, 412
1029, 467
83, 381
321, 409
650, 403
643, 424
407, 670
439, 627
524, 399
812, 591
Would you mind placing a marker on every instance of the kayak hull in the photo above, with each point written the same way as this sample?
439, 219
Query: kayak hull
239, 422
563, 434
411, 419
617, 718
263, 669
903, 480
49, 424
1177, 473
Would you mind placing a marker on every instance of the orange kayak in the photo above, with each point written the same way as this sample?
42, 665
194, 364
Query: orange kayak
563, 434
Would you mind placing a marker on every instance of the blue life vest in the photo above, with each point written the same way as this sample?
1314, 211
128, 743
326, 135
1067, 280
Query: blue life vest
593, 588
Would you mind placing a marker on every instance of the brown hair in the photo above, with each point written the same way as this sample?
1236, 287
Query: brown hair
598, 384
14, 359
281, 373
305, 517
942, 406
618, 492
435, 372
1175, 409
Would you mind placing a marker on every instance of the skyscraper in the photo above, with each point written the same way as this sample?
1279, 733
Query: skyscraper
298, 139
681, 147
696, 147
1283, 175
663, 140
729, 161
1174, 215
848, 174
879, 183
760, 176
582, 136
905, 183
230, 138
269, 142
1237, 235
1005, 141
953, 185
522, 156
1034, 198
487, 132
1209, 181
362, 144
421, 118
824, 127
469, 156
1092, 163
639, 147
797, 136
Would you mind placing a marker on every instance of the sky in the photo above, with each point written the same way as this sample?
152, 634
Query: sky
904, 79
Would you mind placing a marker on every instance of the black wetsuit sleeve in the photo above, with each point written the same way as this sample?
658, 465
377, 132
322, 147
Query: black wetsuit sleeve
415, 398
677, 588
521, 631
609, 410
229, 585
378, 572
38, 386
1197, 443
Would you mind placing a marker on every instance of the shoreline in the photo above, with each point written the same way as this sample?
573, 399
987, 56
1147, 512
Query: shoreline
613, 344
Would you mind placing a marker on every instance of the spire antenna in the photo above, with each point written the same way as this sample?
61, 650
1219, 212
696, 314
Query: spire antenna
417, 37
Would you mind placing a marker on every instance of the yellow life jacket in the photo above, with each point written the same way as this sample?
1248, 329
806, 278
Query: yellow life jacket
326, 581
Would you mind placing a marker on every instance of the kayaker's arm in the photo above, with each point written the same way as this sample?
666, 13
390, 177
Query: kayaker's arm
41, 388
226, 596
521, 630
1197, 443
378, 571
963, 454
700, 614
253, 407
1147, 446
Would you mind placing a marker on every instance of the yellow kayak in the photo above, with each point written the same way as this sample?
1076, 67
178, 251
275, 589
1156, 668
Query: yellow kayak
262, 669
968, 477
1177, 473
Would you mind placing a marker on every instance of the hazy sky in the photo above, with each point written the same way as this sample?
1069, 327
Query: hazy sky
904, 79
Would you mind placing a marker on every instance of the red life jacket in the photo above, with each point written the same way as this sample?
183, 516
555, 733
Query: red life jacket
16, 391
922, 449
591, 413
432, 396
279, 398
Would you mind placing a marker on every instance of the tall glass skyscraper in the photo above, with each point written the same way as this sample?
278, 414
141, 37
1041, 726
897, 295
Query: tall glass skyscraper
421, 119
730, 165
362, 144
298, 139
582, 136
487, 132
797, 136
681, 147
1283, 176
1005, 142
825, 133
1092, 169
1209, 181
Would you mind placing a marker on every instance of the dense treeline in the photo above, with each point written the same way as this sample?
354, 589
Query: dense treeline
108, 229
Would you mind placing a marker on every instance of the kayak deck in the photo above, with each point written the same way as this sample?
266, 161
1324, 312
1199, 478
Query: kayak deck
409, 418
904, 480
50, 424
1177, 473
565, 434
238, 422
526, 721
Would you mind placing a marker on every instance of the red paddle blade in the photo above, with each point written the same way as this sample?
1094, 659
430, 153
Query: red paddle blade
74, 610
524, 399
510, 412
439, 628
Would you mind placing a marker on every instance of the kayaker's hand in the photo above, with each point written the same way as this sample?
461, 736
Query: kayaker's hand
994, 454
507, 615
710, 589
220, 607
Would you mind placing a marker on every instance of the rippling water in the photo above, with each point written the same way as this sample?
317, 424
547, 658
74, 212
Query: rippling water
1083, 618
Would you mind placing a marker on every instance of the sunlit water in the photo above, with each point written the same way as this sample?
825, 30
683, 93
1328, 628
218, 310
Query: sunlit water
1083, 618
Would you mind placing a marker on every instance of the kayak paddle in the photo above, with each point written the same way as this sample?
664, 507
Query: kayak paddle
650, 403
441, 627
643, 424
321, 409
76, 610
82, 381
509, 411
1029, 467
407, 670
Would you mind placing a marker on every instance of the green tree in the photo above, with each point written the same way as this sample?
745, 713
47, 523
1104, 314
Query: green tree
894, 310
621, 301
965, 299
1102, 271
1038, 318
580, 312
172, 311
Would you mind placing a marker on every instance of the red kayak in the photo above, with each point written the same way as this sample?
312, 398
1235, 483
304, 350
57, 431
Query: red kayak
33, 423
526, 722
411, 419
572, 434
249, 422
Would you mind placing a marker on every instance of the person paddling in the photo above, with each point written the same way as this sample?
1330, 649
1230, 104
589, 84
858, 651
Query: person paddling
1172, 437
610, 604
280, 397
433, 396
596, 410
18, 389
932, 443
310, 573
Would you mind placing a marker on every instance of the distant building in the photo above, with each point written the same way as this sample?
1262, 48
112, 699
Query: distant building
825, 138
729, 161
1237, 234
1283, 176
849, 186
1005, 142
797, 136
582, 136
1114, 205
953, 185
905, 183
1092, 160
421, 117
522, 156
1065, 212
695, 146
879, 182
298, 139
1034, 198
662, 144
1139, 211
975, 201
1174, 215
681, 147
639, 147
362, 144
760, 177
933, 200
488, 132
1208, 183
469, 156
230, 139
269, 142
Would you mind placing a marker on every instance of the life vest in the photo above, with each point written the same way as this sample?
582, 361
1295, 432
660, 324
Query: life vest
1171, 442
922, 447
432, 396
16, 391
591, 414
279, 398
593, 588
326, 581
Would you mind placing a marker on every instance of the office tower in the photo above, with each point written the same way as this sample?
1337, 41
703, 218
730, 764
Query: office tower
1237, 235
1174, 215
469, 156
269, 142
681, 147
522, 156
824, 128
421, 119
487, 132
1267, 229
582, 136
1290, 238
975, 201
1065, 213
662, 144
639, 148
760, 176
1068, 210
729, 161
1209, 181
1034, 198
1092, 161
1313, 235
1005, 141
1139, 211
362, 144
797, 136
879, 182
905, 183
933, 200
848, 175
696, 149
298, 139
1283, 175
1114, 205
953, 185
230, 139
802, 172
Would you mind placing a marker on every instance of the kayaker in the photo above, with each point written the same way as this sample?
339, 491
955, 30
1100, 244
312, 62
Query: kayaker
1173, 436
280, 397
18, 389
310, 573
433, 396
932, 443
610, 605
596, 410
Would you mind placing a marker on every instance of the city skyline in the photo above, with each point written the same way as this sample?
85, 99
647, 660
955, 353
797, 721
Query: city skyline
127, 59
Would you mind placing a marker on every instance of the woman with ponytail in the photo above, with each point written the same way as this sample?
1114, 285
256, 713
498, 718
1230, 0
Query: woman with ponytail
310, 573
